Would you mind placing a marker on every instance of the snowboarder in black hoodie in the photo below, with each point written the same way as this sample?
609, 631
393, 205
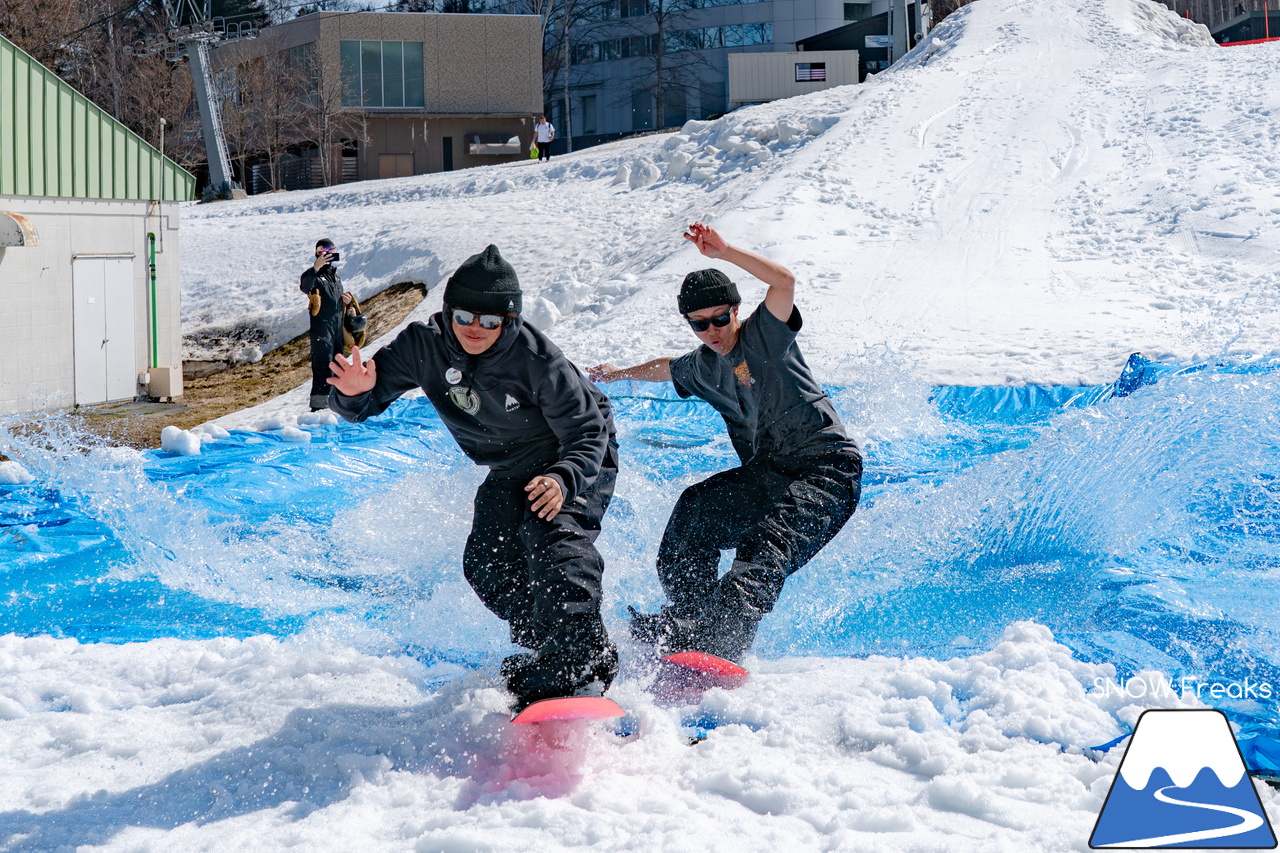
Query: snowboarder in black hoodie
514, 403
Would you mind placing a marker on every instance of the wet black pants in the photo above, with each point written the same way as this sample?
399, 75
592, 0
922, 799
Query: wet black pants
326, 344
777, 514
544, 579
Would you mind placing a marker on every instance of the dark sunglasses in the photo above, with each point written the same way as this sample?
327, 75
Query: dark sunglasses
488, 322
702, 325
326, 250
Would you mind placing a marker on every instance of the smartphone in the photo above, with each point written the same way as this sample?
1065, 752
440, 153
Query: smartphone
334, 256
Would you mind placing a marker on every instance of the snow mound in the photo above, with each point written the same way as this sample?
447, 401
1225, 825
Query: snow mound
13, 474
180, 441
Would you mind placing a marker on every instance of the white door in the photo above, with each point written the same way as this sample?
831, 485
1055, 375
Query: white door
105, 346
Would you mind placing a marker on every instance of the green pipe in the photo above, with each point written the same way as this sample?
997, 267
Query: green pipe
155, 341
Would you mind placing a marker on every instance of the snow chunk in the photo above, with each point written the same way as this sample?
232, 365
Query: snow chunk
324, 417
180, 441
644, 173
295, 435
13, 474
542, 313
212, 431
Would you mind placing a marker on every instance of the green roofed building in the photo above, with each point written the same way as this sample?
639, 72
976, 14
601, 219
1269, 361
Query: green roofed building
88, 249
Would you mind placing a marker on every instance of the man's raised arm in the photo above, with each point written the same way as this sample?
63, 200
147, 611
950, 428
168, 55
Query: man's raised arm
780, 298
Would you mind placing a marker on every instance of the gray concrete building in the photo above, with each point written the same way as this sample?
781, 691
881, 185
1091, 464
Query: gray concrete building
615, 84
412, 93
88, 249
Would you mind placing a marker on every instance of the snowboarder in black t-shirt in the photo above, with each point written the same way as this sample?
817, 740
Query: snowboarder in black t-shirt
800, 477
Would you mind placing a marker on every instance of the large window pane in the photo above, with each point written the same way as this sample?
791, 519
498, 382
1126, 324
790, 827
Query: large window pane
350, 73
414, 93
393, 74
371, 72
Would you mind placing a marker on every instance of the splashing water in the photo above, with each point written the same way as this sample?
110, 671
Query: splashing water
1143, 530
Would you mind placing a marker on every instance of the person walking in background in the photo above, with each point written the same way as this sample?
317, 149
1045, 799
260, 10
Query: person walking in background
515, 404
543, 132
800, 478
324, 295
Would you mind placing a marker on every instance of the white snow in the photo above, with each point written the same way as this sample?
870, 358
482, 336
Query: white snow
268, 745
1038, 190
14, 474
180, 441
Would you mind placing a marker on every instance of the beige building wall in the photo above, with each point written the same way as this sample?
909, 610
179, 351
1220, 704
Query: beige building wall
755, 78
482, 74
37, 322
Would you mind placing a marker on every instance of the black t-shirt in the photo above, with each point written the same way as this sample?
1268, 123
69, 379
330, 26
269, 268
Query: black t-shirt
765, 392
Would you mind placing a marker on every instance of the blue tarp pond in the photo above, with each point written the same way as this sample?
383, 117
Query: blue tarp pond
1139, 521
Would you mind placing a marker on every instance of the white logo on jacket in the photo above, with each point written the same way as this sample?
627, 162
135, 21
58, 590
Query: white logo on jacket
512, 403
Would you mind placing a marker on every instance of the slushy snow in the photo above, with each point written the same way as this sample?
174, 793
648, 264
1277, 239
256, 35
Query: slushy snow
1035, 192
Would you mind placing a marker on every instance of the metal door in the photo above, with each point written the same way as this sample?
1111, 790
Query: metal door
103, 318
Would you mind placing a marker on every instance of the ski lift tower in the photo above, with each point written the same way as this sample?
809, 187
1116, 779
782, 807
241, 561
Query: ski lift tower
192, 40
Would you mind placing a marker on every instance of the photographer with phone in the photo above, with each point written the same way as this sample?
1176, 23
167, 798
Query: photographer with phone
324, 293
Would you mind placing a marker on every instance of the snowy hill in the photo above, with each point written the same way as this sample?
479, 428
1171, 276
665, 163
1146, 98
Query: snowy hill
1037, 191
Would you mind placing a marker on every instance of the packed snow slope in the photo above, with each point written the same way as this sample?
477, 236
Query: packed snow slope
1041, 188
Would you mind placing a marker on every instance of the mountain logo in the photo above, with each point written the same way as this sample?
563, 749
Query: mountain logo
1182, 783
512, 403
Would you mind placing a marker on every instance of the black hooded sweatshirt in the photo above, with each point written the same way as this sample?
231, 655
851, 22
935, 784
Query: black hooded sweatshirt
520, 407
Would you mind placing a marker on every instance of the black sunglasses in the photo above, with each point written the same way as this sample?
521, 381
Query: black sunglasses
702, 325
488, 322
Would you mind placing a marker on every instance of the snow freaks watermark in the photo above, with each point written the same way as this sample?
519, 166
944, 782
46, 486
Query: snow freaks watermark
1150, 685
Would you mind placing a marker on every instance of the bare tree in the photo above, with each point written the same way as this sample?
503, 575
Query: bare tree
41, 28
939, 9
325, 120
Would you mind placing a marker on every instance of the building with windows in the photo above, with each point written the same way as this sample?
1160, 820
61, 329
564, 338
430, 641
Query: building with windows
394, 93
645, 64
88, 249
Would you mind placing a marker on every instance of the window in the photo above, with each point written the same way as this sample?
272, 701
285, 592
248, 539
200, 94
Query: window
811, 72
857, 11
588, 122
641, 110
707, 38
382, 74
634, 8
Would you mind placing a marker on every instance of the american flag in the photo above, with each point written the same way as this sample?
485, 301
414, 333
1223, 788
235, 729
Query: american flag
811, 72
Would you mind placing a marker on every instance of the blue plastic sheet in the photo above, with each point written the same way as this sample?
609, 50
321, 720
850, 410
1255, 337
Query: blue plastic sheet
1139, 520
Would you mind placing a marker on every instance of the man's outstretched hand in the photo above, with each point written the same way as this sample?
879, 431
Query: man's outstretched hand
354, 378
708, 241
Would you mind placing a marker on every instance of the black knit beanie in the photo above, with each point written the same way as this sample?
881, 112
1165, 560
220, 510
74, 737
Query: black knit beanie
485, 284
707, 289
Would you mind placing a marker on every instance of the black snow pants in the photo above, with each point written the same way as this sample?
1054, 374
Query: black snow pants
326, 344
777, 514
544, 579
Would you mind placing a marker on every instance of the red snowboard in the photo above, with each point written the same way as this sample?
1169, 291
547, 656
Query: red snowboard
570, 708
685, 676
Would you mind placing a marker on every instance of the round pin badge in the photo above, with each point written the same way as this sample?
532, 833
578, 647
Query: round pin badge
453, 376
